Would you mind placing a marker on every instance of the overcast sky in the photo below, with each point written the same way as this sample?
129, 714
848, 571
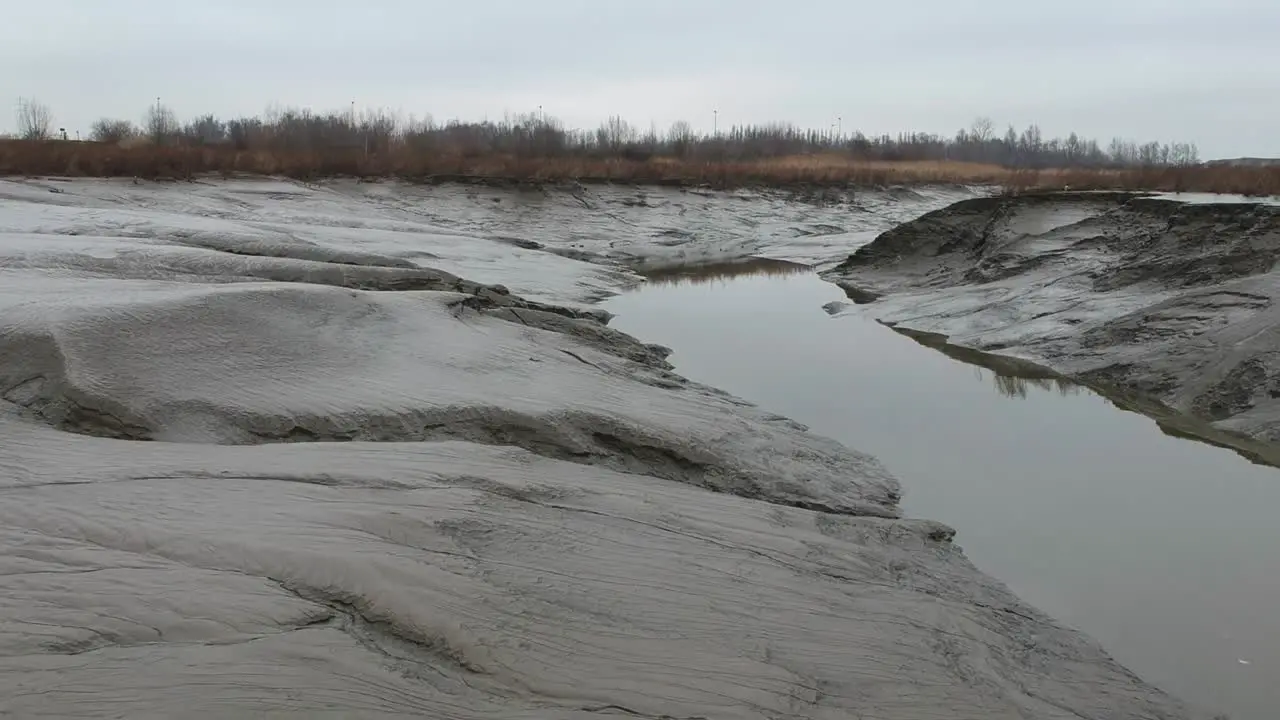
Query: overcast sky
1197, 70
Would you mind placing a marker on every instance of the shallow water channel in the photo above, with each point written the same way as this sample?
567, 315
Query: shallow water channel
1165, 550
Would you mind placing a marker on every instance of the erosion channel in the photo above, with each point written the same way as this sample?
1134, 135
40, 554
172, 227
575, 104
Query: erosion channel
1161, 548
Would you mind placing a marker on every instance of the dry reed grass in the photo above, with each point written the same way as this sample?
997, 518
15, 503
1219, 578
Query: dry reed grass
93, 159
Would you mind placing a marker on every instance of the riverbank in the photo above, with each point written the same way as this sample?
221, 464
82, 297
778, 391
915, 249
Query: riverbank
397, 466
1165, 306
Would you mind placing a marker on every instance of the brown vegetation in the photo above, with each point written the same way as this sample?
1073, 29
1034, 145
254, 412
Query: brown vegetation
146, 160
1249, 181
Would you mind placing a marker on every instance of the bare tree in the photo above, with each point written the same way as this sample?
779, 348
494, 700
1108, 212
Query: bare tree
1032, 140
680, 137
35, 120
983, 129
206, 130
615, 133
377, 129
1073, 148
246, 132
1184, 154
1149, 154
112, 131
160, 124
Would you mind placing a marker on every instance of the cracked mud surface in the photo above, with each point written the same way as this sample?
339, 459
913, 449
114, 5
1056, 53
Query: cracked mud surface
1164, 306
257, 460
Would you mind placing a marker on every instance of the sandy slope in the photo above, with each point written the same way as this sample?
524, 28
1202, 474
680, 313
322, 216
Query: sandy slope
376, 489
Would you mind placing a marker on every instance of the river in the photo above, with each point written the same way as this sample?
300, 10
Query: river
1162, 549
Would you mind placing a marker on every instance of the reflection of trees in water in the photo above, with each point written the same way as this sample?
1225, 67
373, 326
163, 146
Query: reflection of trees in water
1017, 387
1003, 369
699, 274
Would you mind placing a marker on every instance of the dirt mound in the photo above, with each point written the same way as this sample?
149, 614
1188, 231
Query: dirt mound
1145, 239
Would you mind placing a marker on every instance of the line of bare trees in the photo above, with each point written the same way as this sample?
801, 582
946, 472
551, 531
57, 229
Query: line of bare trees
535, 135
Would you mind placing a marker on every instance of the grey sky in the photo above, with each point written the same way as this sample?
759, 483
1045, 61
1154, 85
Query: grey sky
1201, 70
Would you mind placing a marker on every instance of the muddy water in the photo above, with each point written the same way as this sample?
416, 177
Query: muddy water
1165, 550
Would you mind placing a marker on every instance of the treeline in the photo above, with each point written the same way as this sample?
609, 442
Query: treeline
533, 135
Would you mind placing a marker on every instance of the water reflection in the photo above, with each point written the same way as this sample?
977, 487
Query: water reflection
1013, 378
1012, 386
721, 271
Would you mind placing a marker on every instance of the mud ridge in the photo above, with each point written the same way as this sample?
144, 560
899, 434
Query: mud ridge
580, 438
573, 437
284, 248
318, 369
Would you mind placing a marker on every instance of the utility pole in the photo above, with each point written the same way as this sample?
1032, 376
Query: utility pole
715, 123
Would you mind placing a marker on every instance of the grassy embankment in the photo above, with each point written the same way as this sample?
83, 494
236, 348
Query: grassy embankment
97, 159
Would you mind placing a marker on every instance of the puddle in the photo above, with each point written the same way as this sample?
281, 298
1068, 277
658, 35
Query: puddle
1163, 549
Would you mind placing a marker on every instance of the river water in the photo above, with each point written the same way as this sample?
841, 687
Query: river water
1165, 550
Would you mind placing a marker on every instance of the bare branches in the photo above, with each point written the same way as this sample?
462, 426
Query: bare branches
358, 140
35, 120
680, 138
112, 131
983, 129
205, 130
160, 124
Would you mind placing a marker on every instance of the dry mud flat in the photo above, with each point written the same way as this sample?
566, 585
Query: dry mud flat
253, 466
1168, 308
